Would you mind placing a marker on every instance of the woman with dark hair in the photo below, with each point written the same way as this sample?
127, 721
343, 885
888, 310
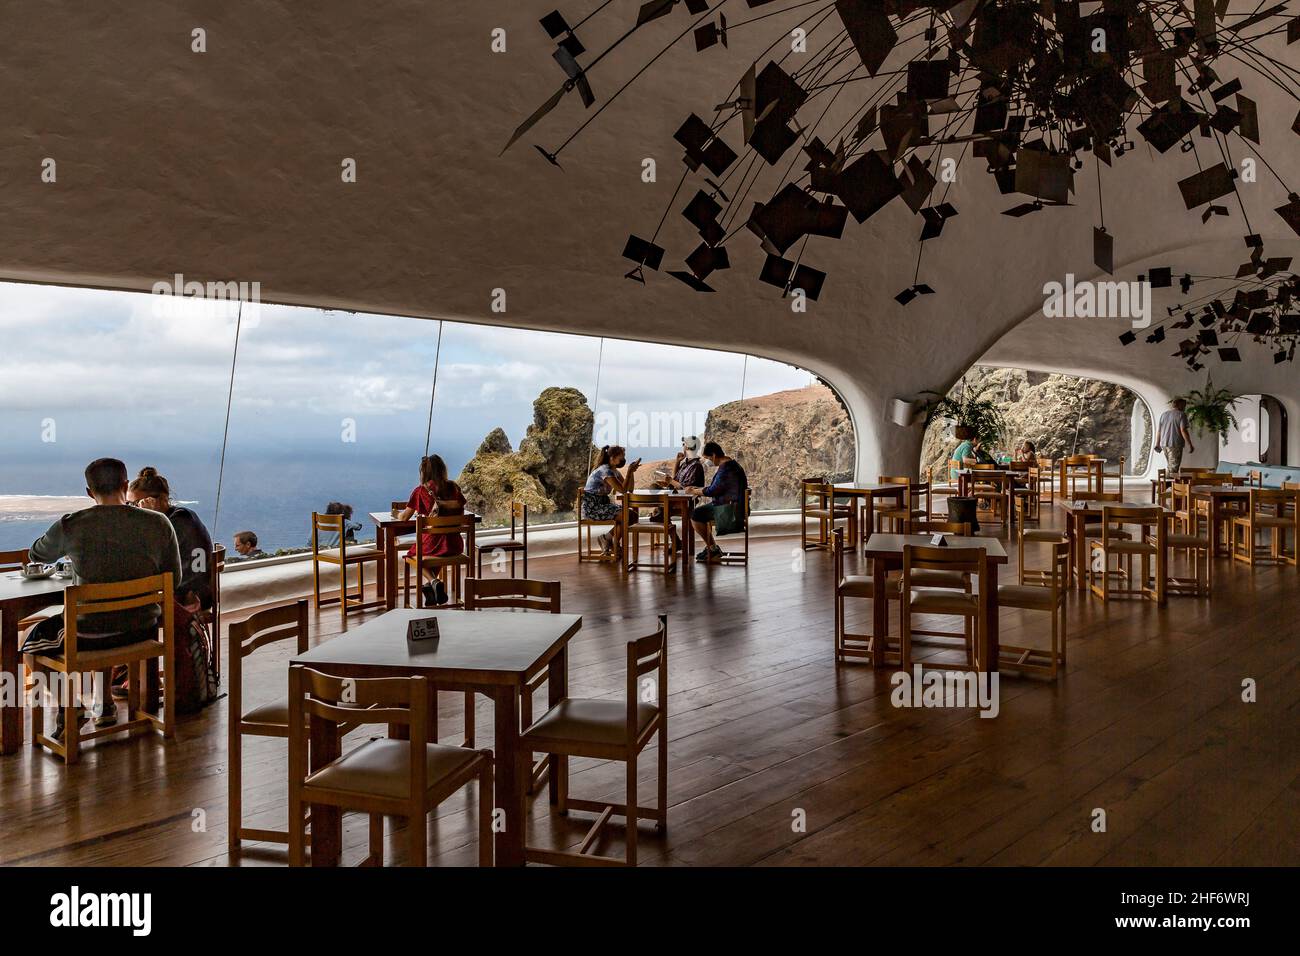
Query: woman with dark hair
604, 481
436, 494
151, 491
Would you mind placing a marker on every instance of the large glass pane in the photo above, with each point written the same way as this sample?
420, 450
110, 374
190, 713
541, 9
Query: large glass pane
513, 417
91, 373
327, 407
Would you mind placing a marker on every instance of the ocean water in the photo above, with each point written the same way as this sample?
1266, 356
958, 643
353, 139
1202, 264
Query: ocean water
271, 492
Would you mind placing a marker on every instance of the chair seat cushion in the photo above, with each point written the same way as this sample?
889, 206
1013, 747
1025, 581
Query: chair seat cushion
1124, 546
1044, 534
857, 586
1183, 541
943, 601
510, 545
276, 713
1267, 521
841, 512
358, 553
1025, 595
90, 661
382, 768
589, 721
432, 562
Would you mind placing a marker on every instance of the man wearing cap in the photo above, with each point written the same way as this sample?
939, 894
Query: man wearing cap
688, 470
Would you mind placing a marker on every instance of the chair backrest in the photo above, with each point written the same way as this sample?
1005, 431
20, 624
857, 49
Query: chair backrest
156, 589
1073, 460
1044, 462
948, 527
1215, 478
953, 467
1270, 501
837, 550
13, 560
894, 480
1291, 486
1113, 519
397, 506
813, 491
270, 626
646, 654
1098, 496
1255, 479
518, 516
327, 524
483, 594
1060, 571
401, 701
635, 501
1197, 470
981, 465
443, 524
964, 560
214, 570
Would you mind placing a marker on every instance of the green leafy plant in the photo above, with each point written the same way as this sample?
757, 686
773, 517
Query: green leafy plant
980, 416
1210, 409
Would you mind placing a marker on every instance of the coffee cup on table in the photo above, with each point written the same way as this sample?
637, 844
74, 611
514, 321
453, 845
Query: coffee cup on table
33, 569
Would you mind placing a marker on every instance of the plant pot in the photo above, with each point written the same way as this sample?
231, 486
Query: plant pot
963, 433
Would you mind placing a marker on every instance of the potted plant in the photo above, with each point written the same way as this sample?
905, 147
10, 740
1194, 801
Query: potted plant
1210, 409
971, 417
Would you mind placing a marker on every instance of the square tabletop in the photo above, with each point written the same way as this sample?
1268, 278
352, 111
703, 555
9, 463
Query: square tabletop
852, 488
474, 647
1098, 506
1231, 491
891, 545
13, 586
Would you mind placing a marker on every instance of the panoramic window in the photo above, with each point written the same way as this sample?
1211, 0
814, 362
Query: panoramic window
1060, 414
335, 407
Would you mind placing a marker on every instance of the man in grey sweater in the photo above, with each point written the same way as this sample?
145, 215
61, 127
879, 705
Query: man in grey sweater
107, 542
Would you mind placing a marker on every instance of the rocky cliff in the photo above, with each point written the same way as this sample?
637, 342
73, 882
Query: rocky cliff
547, 470
784, 437
1060, 414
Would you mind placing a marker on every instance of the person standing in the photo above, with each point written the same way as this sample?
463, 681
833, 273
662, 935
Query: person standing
1173, 433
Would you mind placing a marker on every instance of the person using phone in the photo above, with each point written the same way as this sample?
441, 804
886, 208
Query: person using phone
604, 481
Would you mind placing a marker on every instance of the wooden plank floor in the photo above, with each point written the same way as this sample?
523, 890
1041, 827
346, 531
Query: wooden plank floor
1148, 724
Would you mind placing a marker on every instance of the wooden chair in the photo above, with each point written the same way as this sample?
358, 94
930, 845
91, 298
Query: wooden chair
661, 533
1074, 468
384, 777
1049, 598
517, 544
991, 495
610, 730
1033, 576
457, 563
1266, 513
343, 557
846, 586
1197, 548
738, 557
97, 599
900, 515
266, 720
587, 550
16, 561
817, 503
1116, 541
516, 594
942, 489
1201, 508
1043, 474
944, 601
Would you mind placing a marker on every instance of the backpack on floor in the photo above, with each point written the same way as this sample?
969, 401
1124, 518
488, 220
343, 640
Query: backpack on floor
197, 684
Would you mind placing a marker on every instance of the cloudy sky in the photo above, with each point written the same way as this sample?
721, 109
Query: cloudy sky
91, 372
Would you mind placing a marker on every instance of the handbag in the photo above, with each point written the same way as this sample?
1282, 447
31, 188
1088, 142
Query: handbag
728, 519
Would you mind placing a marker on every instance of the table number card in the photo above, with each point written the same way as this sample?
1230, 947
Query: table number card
422, 629
938, 540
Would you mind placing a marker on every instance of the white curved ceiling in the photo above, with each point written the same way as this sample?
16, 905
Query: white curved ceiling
226, 165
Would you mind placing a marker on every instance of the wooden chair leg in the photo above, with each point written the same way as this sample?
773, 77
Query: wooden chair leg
417, 839
663, 774
376, 840
234, 779
469, 720
71, 733
485, 811
297, 832
631, 810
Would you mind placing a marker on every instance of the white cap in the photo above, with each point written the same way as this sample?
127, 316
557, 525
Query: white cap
691, 445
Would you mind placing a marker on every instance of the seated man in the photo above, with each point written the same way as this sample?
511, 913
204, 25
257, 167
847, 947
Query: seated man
246, 546
727, 488
688, 470
109, 541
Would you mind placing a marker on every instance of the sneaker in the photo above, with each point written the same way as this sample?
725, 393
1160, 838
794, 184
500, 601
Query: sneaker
57, 736
439, 593
703, 555
429, 594
107, 715
120, 682
606, 543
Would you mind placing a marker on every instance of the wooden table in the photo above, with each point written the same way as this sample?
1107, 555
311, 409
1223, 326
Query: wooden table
1005, 478
1096, 467
868, 493
1218, 496
886, 550
388, 529
679, 505
1078, 514
19, 597
491, 654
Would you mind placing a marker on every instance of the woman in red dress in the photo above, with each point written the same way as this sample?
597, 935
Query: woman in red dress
438, 495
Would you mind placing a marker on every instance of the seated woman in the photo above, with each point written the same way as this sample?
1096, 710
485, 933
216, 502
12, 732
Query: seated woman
151, 491
438, 495
603, 482
1026, 454
727, 488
